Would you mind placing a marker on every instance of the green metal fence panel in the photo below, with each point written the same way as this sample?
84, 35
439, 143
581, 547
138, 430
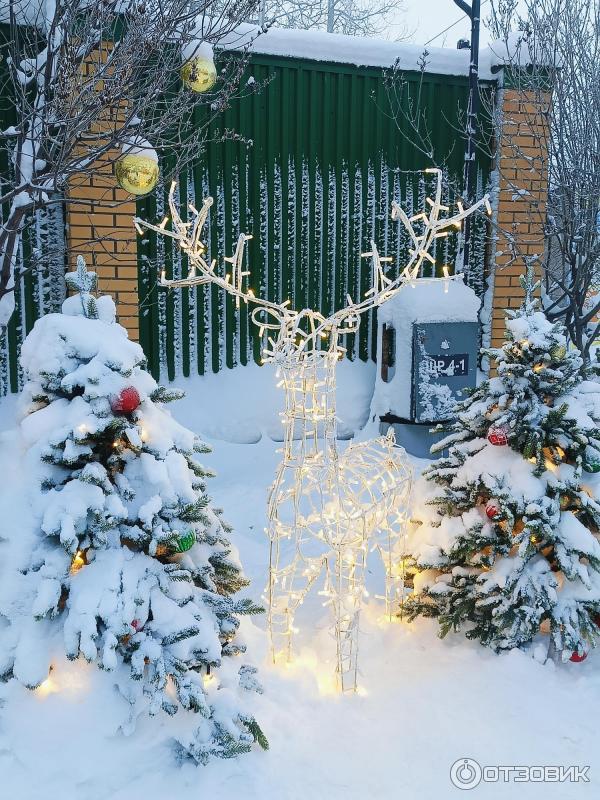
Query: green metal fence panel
312, 179
36, 292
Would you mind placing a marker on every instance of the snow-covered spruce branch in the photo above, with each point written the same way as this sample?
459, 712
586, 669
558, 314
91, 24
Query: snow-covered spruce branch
80, 99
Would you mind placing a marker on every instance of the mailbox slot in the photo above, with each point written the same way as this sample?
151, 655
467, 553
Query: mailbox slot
388, 352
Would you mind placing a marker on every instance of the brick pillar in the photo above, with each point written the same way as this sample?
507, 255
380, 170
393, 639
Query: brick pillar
104, 235
523, 185
100, 228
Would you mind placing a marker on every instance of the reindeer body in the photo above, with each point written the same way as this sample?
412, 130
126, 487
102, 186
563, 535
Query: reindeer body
331, 507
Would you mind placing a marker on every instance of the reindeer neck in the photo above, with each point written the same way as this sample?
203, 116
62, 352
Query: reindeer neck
309, 418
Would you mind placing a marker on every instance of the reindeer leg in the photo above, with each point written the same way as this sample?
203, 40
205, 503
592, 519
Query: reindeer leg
388, 551
347, 592
288, 586
393, 548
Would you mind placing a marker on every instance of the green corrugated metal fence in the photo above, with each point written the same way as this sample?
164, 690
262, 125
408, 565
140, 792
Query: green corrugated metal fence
312, 179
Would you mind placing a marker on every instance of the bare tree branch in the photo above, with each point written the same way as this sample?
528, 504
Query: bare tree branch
565, 33
89, 80
352, 17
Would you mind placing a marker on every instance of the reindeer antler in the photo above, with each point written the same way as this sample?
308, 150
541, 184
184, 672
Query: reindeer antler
434, 228
193, 246
279, 316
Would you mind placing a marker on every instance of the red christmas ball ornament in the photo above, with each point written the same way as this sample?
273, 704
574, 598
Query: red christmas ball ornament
137, 625
577, 658
498, 435
126, 401
492, 509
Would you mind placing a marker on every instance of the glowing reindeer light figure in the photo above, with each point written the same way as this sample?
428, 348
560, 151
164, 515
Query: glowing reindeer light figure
330, 507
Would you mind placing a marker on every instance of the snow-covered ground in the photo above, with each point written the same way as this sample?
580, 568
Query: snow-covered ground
423, 704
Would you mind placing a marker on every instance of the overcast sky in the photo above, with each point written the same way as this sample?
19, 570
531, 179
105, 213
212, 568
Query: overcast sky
429, 17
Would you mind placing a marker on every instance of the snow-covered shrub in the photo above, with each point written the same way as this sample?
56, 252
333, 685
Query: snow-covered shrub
131, 564
508, 549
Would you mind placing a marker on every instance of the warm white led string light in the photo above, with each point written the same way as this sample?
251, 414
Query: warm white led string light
327, 509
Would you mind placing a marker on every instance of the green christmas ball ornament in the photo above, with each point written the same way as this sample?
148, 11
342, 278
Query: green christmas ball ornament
558, 352
185, 542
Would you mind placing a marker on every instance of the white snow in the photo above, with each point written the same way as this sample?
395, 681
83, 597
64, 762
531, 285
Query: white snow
197, 49
501, 465
360, 51
424, 703
243, 405
139, 147
516, 49
577, 537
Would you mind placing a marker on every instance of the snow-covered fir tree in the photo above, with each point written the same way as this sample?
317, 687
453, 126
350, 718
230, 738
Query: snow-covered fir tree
508, 549
131, 566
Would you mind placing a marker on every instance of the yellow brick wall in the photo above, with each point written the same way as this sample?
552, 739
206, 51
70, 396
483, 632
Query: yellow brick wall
104, 234
522, 165
100, 227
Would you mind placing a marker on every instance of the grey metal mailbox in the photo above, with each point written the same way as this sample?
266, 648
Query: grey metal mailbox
444, 363
427, 351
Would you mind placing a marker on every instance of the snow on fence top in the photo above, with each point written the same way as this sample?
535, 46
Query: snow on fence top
337, 48
359, 51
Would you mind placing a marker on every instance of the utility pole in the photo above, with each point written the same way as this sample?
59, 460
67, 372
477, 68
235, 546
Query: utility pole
473, 11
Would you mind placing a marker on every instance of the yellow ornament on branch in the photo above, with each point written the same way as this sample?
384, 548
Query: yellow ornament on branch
198, 72
558, 352
137, 169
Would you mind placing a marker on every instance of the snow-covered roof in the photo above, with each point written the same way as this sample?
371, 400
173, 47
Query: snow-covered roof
336, 48
360, 51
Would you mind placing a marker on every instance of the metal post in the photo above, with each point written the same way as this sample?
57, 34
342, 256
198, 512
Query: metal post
473, 11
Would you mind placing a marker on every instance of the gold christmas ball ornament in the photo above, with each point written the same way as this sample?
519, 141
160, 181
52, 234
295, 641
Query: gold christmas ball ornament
199, 74
558, 352
137, 173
